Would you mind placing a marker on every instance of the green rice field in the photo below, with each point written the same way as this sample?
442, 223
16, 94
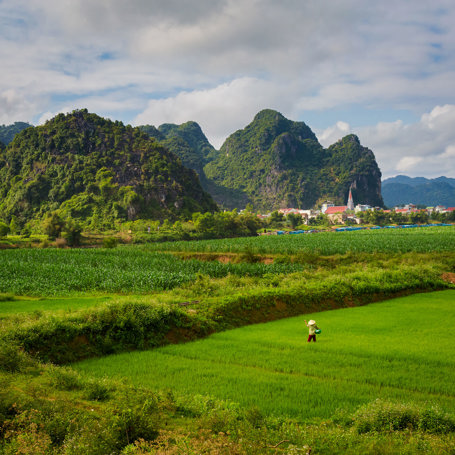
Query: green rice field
17, 306
402, 349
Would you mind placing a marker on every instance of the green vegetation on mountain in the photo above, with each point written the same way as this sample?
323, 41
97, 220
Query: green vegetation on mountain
7, 132
275, 162
402, 190
187, 141
96, 172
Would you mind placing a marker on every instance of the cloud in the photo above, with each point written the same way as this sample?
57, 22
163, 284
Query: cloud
424, 148
220, 61
15, 105
408, 163
333, 133
220, 110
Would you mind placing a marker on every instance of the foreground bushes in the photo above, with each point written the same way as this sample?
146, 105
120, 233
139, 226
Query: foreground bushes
49, 410
113, 328
386, 416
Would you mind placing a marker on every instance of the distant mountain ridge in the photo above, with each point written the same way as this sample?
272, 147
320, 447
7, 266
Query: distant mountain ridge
7, 132
402, 189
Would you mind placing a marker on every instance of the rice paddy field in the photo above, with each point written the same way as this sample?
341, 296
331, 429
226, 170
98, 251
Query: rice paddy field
402, 350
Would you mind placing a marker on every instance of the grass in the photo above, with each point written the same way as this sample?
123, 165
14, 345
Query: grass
401, 349
16, 306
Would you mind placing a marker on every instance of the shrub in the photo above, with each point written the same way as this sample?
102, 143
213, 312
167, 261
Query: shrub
248, 256
385, 416
43, 244
65, 378
96, 390
4, 229
12, 358
53, 225
110, 242
131, 422
73, 233
6, 297
434, 420
380, 416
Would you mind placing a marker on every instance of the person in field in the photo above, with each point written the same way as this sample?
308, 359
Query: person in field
312, 327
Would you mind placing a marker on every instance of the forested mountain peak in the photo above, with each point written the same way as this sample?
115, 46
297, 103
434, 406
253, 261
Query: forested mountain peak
275, 162
94, 170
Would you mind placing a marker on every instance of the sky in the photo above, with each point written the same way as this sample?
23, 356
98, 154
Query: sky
383, 70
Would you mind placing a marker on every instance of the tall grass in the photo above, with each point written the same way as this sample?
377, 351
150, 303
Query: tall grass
397, 350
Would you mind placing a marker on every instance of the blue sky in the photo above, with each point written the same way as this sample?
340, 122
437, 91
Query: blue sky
382, 70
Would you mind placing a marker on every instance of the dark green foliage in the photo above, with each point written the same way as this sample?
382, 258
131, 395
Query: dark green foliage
380, 416
110, 242
12, 358
115, 328
4, 229
63, 424
189, 143
7, 132
95, 171
275, 163
53, 225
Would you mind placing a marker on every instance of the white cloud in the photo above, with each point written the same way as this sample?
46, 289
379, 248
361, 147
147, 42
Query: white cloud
424, 148
331, 134
219, 111
408, 163
220, 61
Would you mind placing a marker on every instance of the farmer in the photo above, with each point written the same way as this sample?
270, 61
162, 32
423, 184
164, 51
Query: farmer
311, 324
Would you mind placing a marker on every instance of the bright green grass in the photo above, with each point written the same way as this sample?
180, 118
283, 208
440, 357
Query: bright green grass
420, 240
65, 304
402, 349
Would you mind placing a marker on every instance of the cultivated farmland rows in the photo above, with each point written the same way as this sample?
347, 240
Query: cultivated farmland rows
327, 243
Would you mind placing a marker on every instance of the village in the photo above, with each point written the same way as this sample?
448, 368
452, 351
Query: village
351, 214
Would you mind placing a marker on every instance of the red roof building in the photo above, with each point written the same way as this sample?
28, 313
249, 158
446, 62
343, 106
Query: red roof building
336, 209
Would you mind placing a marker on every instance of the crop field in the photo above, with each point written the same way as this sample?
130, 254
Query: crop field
401, 350
419, 240
53, 272
142, 269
